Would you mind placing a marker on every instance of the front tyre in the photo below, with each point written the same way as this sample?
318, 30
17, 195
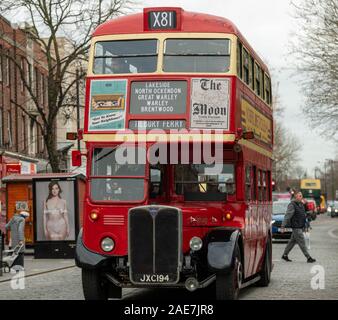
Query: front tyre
228, 283
95, 287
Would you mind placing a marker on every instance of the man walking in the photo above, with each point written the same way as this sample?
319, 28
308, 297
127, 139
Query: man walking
17, 228
296, 218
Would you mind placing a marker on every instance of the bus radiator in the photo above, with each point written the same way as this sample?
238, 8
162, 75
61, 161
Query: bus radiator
155, 238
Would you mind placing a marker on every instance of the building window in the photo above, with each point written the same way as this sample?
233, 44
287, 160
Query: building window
23, 72
23, 135
36, 82
9, 124
42, 143
29, 74
43, 89
1, 128
32, 137
1, 60
7, 66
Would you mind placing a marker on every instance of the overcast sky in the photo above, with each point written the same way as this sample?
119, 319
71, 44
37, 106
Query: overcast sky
268, 25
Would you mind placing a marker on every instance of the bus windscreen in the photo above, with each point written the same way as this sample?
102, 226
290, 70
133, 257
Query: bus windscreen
125, 56
196, 55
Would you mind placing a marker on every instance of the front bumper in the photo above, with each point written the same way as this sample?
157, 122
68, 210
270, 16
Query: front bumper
85, 258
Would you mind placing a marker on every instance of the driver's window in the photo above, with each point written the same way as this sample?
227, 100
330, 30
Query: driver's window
156, 176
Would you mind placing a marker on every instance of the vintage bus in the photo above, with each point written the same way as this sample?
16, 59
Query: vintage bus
311, 189
163, 87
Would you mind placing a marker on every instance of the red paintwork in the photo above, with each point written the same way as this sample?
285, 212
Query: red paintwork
251, 217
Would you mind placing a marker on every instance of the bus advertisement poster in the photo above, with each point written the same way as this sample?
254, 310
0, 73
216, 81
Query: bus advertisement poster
210, 104
108, 105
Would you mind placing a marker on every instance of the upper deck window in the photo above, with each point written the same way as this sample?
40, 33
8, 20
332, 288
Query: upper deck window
196, 55
125, 56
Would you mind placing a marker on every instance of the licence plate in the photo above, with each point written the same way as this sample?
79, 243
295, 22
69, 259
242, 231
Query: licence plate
154, 278
285, 230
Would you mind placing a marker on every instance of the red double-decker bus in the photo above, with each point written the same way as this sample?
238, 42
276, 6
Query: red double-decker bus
178, 131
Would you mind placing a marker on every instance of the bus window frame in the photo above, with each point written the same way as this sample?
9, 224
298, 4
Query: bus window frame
157, 55
145, 177
241, 51
227, 196
248, 182
239, 59
229, 55
254, 195
267, 90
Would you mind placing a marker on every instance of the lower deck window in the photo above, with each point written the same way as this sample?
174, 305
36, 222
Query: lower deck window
116, 175
205, 181
117, 189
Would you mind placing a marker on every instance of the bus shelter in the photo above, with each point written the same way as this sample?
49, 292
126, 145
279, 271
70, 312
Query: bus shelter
51, 229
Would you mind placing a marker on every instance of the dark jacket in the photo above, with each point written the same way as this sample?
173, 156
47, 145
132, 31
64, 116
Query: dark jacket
295, 216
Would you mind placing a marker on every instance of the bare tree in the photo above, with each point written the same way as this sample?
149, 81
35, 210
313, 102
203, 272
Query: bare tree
285, 153
74, 20
286, 148
315, 48
299, 172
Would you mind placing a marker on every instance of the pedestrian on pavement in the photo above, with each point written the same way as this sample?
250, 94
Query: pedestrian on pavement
17, 228
295, 217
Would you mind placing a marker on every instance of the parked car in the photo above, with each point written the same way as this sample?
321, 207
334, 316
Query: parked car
333, 209
278, 212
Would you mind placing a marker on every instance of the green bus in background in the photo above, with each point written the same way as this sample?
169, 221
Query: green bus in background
311, 189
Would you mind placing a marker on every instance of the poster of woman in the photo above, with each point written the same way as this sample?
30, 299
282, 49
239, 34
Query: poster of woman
55, 211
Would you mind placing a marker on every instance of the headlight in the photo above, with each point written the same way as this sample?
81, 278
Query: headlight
196, 243
329, 209
336, 210
273, 221
107, 244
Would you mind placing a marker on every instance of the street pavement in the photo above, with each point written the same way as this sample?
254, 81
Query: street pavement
294, 280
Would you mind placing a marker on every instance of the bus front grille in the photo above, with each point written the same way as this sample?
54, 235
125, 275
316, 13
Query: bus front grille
155, 234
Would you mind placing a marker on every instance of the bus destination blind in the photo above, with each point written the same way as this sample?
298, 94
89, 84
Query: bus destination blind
160, 20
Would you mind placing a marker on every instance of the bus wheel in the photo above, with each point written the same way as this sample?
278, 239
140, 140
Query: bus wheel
228, 284
266, 267
95, 287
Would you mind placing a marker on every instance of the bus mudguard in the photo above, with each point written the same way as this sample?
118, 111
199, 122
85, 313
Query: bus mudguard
85, 258
221, 248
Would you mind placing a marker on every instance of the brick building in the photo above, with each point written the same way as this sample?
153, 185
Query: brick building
18, 132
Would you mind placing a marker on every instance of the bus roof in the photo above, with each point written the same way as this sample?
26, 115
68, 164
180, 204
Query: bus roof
310, 184
190, 22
